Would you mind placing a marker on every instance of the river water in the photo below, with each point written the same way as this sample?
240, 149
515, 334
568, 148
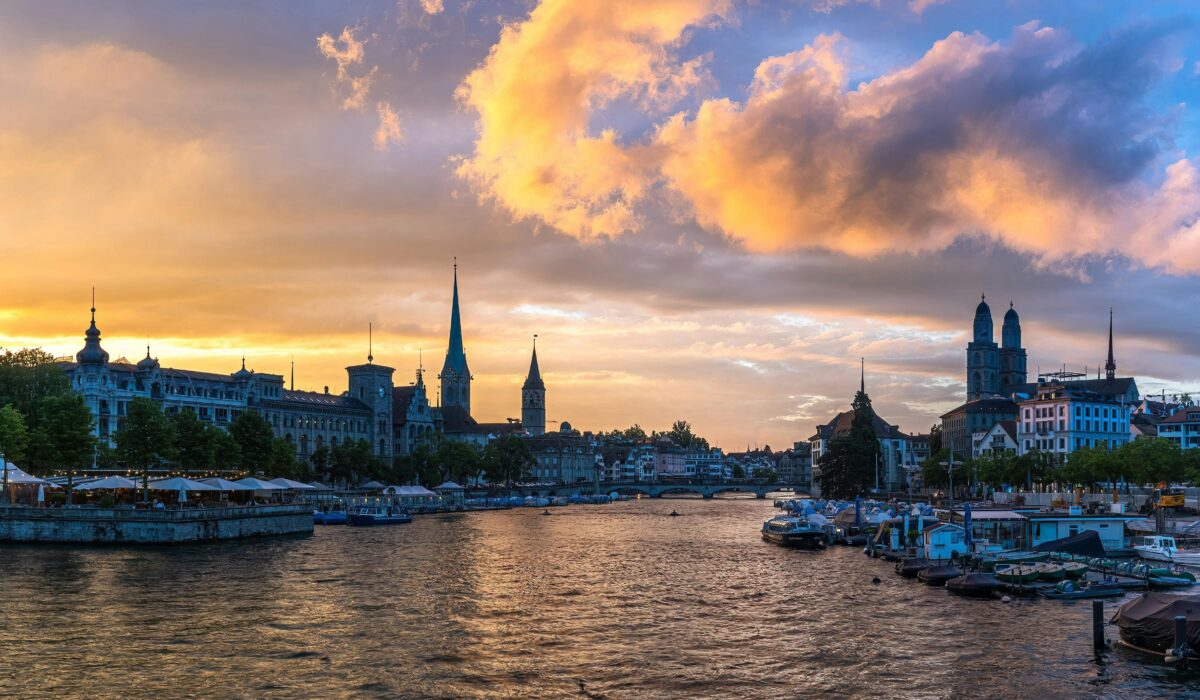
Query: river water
616, 601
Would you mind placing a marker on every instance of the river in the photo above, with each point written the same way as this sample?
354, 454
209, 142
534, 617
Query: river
616, 601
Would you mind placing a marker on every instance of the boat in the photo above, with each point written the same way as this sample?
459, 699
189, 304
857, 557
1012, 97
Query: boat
1050, 572
1070, 590
1175, 580
1157, 548
1147, 622
1074, 570
977, 585
938, 575
909, 567
330, 517
378, 515
991, 560
1017, 573
790, 531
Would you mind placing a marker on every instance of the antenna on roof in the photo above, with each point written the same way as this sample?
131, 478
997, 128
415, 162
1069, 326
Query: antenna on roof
370, 343
293, 372
93, 304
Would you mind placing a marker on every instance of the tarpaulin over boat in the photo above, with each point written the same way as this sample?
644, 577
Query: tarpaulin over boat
1149, 620
1086, 543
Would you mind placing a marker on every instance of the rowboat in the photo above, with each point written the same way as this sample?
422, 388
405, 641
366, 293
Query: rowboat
1050, 572
1018, 573
1074, 570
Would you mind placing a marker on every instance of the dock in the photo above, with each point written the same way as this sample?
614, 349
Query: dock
89, 525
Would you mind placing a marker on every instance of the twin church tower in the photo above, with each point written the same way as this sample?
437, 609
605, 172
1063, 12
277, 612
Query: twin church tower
995, 370
456, 377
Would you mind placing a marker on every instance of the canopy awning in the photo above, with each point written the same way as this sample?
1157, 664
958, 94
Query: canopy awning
16, 475
226, 485
108, 482
178, 483
258, 484
289, 484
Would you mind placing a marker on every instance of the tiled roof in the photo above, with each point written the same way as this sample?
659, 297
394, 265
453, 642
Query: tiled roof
992, 405
1181, 416
313, 398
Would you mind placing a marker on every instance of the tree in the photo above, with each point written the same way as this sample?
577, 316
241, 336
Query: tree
145, 440
63, 436
226, 454
766, 474
13, 435
738, 471
350, 460
935, 438
634, 433
194, 442
27, 376
284, 463
681, 434
321, 458
255, 441
848, 467
1153, 460
933, 471
459, 461
506, 460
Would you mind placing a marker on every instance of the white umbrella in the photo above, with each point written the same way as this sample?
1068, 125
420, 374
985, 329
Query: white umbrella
225, 485
16, 475
289, 484
178, 483
259, 484
108, 482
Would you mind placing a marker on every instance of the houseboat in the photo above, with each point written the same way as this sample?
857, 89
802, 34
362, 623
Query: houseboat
378, 515
790, 531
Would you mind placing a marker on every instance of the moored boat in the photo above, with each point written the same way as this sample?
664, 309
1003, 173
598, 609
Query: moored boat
330, 517
1157, 548
909, 567
993, 559
1074, 570
1050, 572
1017, 573
1071, 590
378, 515
790, 531
938, 575
1147, 622
977, 585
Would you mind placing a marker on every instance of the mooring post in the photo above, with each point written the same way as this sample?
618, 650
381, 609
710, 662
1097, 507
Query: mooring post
1180, 649
1098, 641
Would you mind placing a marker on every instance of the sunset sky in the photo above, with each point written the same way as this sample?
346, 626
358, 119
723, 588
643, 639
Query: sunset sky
707, 209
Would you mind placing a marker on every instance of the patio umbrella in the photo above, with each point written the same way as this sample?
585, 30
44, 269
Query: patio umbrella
108, 482
259, 484
226, 485
16, 475
178, 483
289, 484
41, 493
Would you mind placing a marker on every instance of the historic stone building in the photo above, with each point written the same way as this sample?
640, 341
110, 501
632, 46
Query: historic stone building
308, 420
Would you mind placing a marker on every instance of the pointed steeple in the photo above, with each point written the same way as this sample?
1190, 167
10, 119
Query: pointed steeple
92, 353
1110, 367
534, 380
456, 356
862, 378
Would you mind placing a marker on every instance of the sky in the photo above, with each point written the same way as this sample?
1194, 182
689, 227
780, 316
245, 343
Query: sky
705, 209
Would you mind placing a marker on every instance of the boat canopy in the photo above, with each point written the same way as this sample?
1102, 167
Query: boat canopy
1152, 618
1086, 543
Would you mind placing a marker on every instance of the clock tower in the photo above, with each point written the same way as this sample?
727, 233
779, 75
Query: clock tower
533, 398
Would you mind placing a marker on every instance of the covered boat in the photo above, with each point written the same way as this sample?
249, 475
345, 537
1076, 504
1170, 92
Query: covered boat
1070, 590
978, 585
909, 567
938, 575
790, 531
1148, 621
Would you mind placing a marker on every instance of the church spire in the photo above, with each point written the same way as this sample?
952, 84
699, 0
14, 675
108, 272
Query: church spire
534, 380
456, 376
454, 352
862, 376
1110, 367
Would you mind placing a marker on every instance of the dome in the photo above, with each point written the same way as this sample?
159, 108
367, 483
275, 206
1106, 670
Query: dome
243, 373
1010, 316
565, 427
92, 353
147, 363
983, 308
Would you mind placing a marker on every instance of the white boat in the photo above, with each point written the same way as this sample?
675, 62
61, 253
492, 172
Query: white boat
1157, 548
790, 531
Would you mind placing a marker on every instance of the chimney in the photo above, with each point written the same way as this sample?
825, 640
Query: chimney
326, 389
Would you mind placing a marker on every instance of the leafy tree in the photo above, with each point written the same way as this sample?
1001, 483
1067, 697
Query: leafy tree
63, 437
145, 440
320, 459
933, 471
226, 453
350, 461
13, 435
285, 464
681, 434
459, 461
738, 471
935, 438
507, 460
1150, 461
848, 467
634, 433
766, 474
194, 443
27, 376
255, 441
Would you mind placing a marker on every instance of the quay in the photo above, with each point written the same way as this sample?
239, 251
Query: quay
90, 525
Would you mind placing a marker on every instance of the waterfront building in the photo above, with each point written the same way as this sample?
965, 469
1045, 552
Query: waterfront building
564, 457
670, 461
1044, 527
412, 416
895, 446
1066, 415
307, 420
706, 464
999, 439
795, 465
1183, 428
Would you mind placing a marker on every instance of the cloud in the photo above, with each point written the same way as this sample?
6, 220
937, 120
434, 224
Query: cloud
1038, 142
389, 130
919, 6
432, 7
536, 92
347, 51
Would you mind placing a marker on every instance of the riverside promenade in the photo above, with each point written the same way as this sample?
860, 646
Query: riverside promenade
91, 525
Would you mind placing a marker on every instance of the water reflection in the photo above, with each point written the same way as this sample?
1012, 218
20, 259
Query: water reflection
613, 601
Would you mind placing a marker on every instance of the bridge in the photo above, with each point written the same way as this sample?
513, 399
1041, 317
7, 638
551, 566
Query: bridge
706, 489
